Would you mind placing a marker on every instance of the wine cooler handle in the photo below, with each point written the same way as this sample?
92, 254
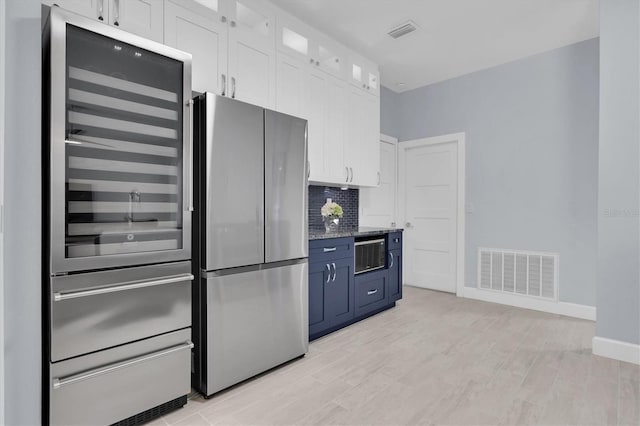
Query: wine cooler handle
189, 157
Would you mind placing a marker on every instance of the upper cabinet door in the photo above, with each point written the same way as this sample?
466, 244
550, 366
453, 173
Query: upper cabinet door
200, 31
252, 59
140, 17
318, 104
291, 74
364, 74
330, 57
94, 9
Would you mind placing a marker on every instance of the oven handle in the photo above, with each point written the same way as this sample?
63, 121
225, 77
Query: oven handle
360, 243
59, 382
131, 285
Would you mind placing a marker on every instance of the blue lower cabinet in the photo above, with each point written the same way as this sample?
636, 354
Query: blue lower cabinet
371, 291
331, 300
395, 275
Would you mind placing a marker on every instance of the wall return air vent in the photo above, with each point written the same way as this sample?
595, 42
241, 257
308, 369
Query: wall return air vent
532, 274
403, 29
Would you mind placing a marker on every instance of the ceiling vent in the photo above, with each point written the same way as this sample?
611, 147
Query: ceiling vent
403, 29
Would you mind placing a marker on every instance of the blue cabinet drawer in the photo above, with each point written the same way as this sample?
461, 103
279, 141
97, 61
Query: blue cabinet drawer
330, 249
394, 241
371, 291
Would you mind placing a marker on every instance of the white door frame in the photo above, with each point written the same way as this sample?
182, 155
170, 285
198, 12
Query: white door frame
394, 142
459, 140
3, 26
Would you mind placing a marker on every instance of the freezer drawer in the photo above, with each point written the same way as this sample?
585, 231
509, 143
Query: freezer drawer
256, 320
111, 385
99, 310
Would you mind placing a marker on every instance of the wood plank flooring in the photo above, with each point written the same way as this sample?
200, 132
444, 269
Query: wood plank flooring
437, 359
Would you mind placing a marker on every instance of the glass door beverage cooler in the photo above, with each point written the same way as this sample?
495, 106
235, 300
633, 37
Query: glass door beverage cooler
117, 158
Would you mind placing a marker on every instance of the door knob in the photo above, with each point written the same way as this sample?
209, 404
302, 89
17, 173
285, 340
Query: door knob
408, 224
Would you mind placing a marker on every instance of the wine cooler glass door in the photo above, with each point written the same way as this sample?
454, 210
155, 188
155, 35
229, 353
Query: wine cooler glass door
121, 154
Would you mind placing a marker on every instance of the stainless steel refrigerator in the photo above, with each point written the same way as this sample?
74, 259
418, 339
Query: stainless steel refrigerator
117, 220
250, 241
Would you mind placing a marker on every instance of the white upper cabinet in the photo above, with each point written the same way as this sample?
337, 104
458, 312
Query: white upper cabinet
363, 74
291, 85
199, 31
140, 17
252, 59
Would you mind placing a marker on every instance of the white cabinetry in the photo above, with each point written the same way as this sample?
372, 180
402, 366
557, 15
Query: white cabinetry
232, 43
140, 17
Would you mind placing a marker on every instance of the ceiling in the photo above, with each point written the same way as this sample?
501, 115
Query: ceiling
455, 37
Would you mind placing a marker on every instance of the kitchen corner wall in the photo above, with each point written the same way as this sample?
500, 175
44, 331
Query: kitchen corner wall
347, 199
619, 169
22, 214
531, 156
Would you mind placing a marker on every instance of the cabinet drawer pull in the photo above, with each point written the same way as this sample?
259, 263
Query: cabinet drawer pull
391, 255
131, 285
329, 249
334, 272
58, 383
329, 274
370, 292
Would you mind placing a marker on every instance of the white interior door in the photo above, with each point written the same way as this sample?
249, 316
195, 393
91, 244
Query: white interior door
378, 205
429, 204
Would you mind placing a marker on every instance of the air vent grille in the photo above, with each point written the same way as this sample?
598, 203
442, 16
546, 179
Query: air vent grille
522, 272
403, 29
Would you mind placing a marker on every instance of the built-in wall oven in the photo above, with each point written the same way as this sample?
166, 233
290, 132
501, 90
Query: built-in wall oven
370, 254
117, 291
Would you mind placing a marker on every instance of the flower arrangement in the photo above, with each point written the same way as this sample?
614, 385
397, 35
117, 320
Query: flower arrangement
331, 210
331, 214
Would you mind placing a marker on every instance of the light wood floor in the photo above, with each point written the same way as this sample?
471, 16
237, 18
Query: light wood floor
437, 359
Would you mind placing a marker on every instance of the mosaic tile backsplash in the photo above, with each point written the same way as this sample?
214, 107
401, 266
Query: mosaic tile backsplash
347, 199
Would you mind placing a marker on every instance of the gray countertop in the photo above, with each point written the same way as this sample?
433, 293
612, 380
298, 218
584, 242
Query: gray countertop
320, 234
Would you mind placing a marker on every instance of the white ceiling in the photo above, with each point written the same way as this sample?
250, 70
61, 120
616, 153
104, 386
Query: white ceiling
455, 37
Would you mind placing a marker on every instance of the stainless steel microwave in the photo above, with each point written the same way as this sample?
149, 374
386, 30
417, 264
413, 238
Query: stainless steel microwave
369, 255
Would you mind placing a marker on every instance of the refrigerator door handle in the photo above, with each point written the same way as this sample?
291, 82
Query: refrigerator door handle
59, 382
132, 285
189, 158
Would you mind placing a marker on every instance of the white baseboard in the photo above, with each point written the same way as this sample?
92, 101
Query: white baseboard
616, 349
552, 307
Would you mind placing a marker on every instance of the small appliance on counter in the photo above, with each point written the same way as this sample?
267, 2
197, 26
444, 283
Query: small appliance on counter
117, 220
250, 241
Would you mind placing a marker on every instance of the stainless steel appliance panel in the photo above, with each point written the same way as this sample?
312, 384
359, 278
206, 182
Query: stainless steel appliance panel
256, 320
99, 310
112, 385
120, 140
286, 233
234, 183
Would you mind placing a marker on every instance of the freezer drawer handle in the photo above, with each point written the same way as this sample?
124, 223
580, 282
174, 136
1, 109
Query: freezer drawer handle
58, 383
131, 285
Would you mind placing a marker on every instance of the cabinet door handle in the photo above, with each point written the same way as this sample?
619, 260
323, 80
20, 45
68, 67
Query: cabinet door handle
351, 168
334, 272
391, 256
233, 87
223, 19
233, 24
116, 8
329, 249
347, 169
311, 61
224, 84
100, 10
370, 292
308, 169
329, 274
379, 179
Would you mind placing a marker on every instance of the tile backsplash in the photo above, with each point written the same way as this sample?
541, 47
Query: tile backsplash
348, 200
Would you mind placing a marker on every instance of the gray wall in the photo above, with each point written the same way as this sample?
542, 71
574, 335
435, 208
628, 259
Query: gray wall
389, 112
619, 183
532, 156
22, 346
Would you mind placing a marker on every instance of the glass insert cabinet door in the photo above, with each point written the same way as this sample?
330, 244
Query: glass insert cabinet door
120, 143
